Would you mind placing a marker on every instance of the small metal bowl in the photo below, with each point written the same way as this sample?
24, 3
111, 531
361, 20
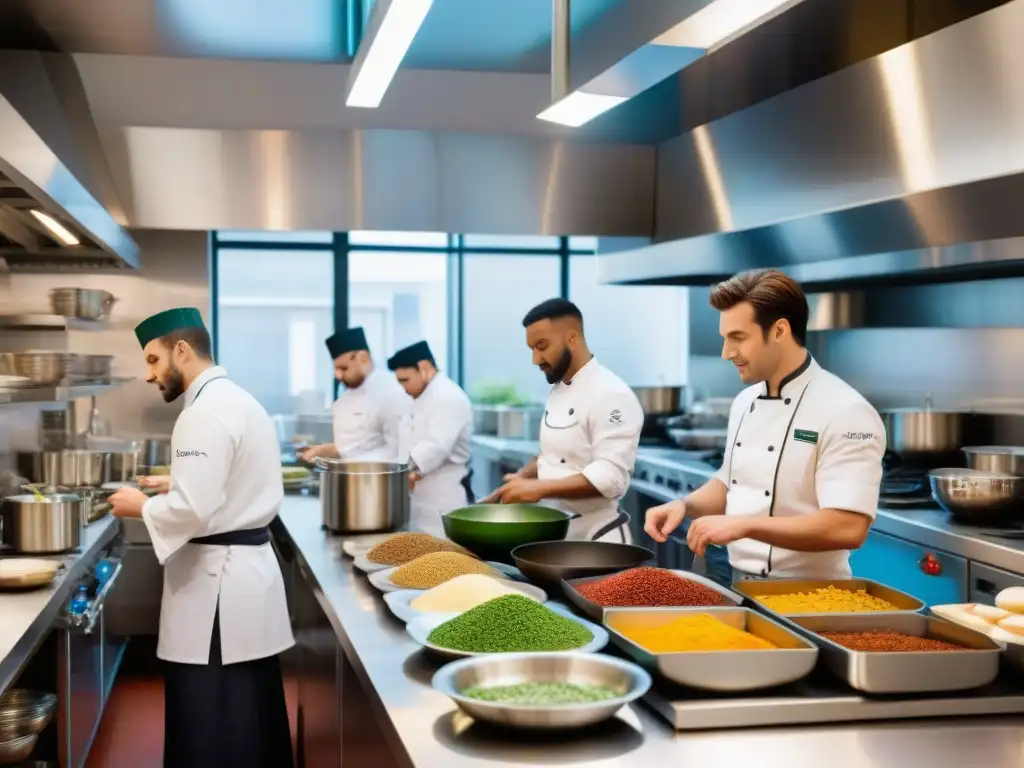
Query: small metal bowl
975, 495
628, 679
24, 713
16, 750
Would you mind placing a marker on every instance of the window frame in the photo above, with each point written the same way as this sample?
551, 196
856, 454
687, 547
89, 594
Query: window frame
340, 248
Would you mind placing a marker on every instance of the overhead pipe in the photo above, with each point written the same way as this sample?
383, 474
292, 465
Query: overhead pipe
561, 33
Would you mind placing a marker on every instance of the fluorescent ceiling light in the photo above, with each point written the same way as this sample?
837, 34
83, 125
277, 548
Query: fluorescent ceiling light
579, 107
402, 20
720, 21
59, 231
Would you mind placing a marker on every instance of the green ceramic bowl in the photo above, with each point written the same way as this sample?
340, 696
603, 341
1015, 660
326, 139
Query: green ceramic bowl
492, 531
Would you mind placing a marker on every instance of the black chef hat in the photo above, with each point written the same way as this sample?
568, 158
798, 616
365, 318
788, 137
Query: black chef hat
351, 340
410, 356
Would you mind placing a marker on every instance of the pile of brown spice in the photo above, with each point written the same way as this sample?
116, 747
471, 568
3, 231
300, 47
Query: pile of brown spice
405, 547
643, 587
888, 641
428, 571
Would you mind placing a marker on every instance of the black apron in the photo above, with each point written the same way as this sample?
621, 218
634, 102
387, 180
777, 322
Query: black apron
220, 715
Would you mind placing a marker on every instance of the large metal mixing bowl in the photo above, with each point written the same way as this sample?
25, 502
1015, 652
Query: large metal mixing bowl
24, 713
629, 680
1008, 459
978, 496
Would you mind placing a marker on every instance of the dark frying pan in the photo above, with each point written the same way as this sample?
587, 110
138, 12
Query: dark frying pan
547, 563
492, 531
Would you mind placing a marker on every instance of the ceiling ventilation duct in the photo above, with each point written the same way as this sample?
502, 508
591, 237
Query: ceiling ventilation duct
49, 218
907, 167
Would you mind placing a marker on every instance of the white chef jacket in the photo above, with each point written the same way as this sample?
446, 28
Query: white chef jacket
225, 476
818, 445
367, 419
591, 426
440, 426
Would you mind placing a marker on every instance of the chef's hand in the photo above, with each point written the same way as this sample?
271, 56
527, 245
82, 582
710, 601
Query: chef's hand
511, 476
414, 477
158, 483
310, 454
715, 529
127, 502
519, 490
661, 521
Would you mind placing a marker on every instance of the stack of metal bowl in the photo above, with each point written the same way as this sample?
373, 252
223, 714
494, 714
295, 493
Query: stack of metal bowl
23, 716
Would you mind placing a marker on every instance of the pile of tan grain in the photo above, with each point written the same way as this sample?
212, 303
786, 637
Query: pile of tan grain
427, 571
405, 547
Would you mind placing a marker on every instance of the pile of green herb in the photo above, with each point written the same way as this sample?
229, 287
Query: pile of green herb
541, 694
510, 624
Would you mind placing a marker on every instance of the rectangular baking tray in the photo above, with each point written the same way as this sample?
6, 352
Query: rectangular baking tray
898, 672
822, 698
596, 612
754, 589
720, 671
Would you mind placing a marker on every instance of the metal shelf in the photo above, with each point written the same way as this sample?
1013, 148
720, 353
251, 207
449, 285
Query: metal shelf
56, 394
49, 323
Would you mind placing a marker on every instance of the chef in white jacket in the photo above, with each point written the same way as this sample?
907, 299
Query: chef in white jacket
368, 414
798, 488
590, 433
439, 428
224, 617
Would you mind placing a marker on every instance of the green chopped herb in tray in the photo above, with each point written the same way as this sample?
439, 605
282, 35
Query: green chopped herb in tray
541, 694
510, 624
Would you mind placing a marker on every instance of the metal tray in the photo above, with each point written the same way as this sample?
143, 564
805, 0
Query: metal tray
823, 698
905, 671
596, 612
753, 589
720, 671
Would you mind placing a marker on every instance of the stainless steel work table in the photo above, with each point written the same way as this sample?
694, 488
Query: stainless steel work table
420, 725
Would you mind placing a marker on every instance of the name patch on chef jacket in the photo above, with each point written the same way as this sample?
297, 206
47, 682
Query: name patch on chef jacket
615, 417
805, 436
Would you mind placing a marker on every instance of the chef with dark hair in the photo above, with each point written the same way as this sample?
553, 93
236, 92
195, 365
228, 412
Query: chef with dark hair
590, 433
368, 413
224, 617
798, 488
439, 428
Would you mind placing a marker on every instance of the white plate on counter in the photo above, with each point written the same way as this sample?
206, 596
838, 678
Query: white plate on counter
400, 602
382, 579
368, 566
353, 548
419, 630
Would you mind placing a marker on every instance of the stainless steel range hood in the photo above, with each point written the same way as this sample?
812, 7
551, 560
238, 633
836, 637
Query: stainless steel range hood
51, 169
908, 167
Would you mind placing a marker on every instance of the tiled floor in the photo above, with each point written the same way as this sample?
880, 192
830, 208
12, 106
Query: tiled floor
131, 734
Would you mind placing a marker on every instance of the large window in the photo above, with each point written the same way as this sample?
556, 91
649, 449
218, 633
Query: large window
274, 308
278, 295
497, 291
399, 298
639, 332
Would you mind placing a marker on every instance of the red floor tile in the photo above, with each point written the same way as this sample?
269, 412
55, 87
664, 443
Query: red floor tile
131, 734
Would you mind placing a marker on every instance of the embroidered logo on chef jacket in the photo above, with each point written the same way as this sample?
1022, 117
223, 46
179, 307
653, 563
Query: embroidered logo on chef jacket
186, 454
858, 436
805, 436
615, 417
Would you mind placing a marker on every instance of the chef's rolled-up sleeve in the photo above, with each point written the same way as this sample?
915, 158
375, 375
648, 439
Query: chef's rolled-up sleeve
446, 421
849, 469
615, 424
203, 450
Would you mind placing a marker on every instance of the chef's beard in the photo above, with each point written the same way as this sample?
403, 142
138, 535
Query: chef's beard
173, 386
561, 368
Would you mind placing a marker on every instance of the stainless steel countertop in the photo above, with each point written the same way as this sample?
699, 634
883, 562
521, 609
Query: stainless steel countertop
426, 731
27, 617
930, 528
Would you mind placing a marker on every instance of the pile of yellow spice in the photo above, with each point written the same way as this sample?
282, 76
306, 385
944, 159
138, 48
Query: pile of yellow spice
827, 600
697, 632
428, 571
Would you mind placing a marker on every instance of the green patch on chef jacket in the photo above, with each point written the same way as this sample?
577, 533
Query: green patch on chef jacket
805, 436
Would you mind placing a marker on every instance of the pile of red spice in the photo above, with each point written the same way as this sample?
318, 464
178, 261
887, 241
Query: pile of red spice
644, 587
889, 641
